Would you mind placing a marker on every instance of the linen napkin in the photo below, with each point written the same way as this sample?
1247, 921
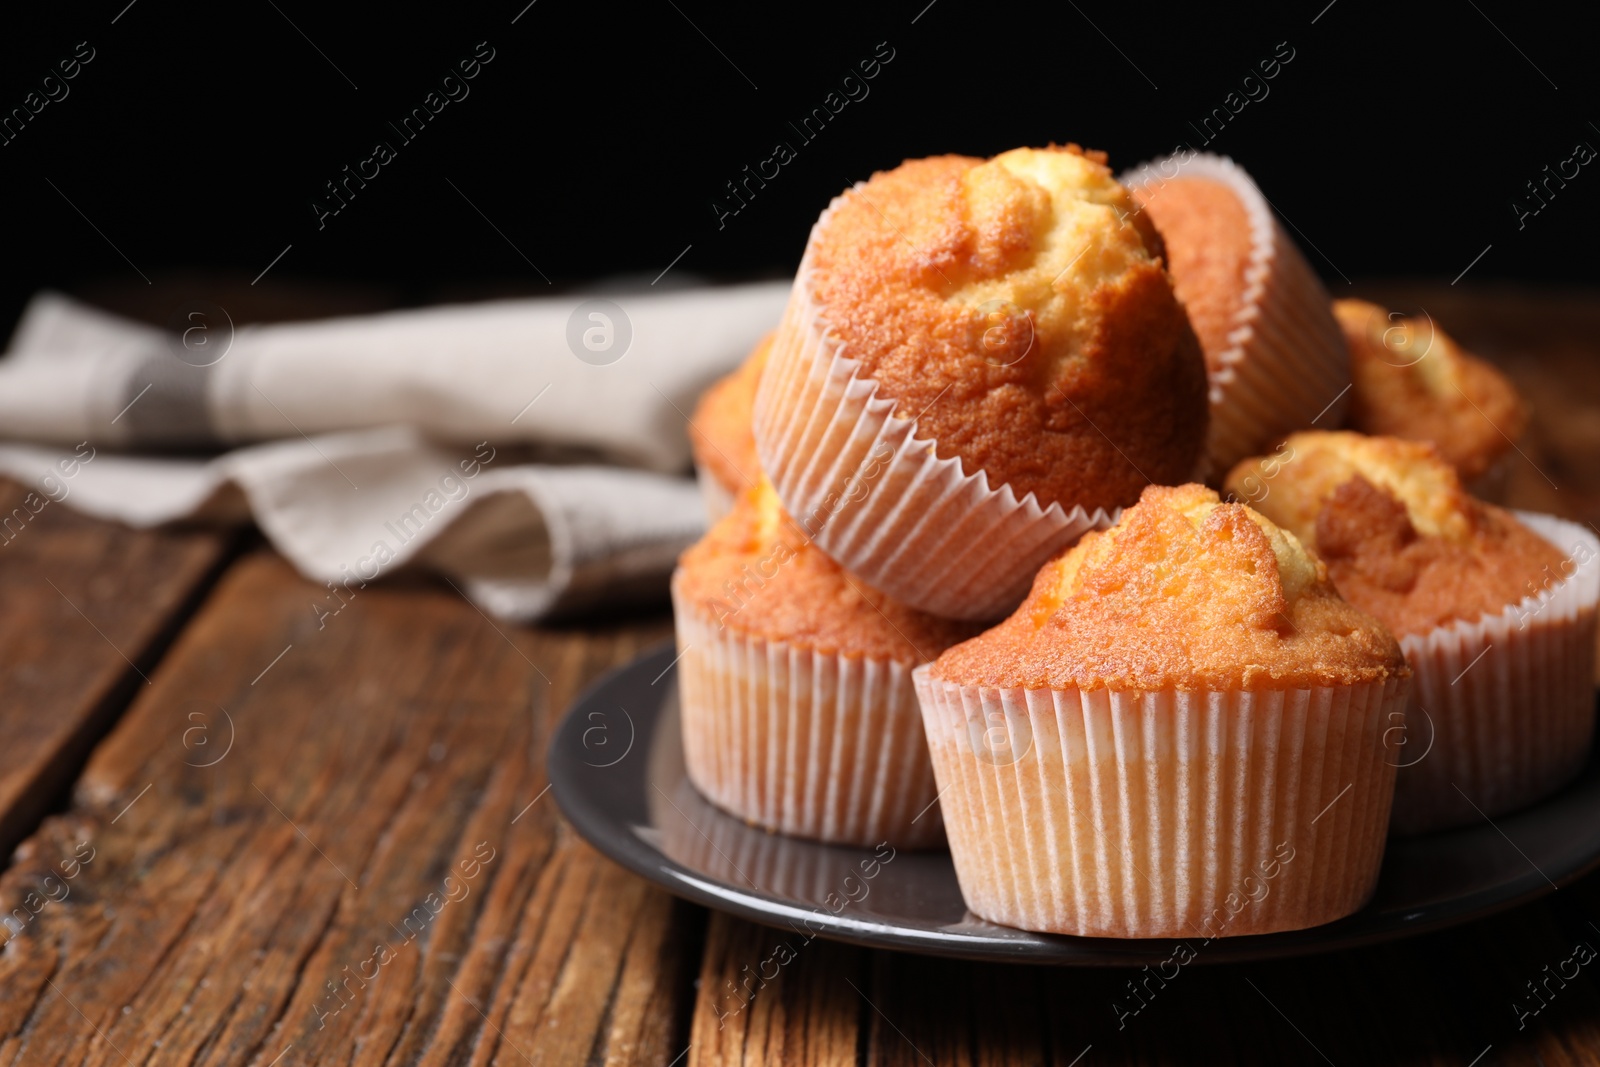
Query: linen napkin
396, 439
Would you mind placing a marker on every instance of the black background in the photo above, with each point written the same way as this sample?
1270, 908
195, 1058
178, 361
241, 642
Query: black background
598, 137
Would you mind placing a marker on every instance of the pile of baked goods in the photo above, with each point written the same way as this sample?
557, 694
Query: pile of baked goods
967, 582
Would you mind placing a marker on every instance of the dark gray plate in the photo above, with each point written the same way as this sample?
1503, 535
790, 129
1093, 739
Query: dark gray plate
616, 765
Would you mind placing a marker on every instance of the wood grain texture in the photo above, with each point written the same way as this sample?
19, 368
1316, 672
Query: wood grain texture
86, 604
371, 873
775, 996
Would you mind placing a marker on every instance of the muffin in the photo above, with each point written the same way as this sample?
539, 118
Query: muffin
724, 445
795, 683
1412, 381
1274, 356
979, 361
1495, 612
1179, 733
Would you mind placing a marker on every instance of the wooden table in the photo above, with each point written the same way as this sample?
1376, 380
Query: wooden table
221, 809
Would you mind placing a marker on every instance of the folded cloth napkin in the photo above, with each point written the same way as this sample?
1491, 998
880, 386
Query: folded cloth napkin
396, 439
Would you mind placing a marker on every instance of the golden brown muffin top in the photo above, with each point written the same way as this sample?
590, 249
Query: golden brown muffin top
1187, 593
720, 432
756, 572
1018, 310
1412, 381
1208, 239
1402, 540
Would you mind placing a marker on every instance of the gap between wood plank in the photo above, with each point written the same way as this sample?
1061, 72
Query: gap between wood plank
50, 789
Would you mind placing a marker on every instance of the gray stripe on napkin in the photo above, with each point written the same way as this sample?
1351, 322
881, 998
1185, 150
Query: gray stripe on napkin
164, 402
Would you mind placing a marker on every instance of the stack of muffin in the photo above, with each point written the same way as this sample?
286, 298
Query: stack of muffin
966, 584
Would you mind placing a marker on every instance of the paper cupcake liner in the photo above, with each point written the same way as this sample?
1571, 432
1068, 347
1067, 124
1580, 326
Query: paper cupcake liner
874, 496
1286, 363
1163, 813
714, 495
1502, 709
817, 745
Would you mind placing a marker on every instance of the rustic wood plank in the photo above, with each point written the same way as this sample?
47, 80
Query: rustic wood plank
234, 913
775, 996
85, 602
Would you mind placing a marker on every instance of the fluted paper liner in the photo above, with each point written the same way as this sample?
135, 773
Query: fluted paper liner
1163, 813
1287, 364
874, 496
808, 743
1507, 703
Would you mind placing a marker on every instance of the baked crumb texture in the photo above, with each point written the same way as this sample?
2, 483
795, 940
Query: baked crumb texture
798, 710
1274, 354
1413, 381
1495, 611
721, 436
1185, 592
1402, 539
998, 344
756, 573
